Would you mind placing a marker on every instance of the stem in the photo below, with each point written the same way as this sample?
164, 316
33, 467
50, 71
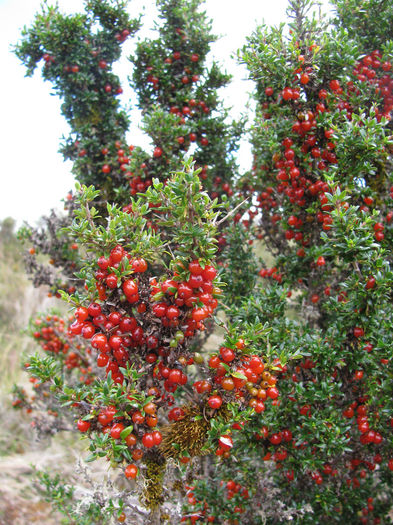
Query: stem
230, 213
155, 516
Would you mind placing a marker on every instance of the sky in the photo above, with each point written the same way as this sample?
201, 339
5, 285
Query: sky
34, 177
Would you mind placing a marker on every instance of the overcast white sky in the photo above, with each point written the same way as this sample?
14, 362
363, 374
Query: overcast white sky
33, 176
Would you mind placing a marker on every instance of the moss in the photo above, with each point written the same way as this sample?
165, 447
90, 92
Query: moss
152, 495
187, 436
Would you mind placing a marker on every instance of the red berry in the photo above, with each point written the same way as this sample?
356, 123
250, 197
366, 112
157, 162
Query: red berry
227, 354
111, 280
214, 402
102, 360
195, 268
81, 313
225, 442
131, 471
157, 152
130, 287
99, 341
160, 309
148, 440
358, 331
199, 314
334, 85
305, 78
370, 283
157, 437
94, 309
83, 426
209, 273
172, 312
116, 430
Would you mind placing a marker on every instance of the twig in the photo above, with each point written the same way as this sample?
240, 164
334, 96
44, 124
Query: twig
230, 213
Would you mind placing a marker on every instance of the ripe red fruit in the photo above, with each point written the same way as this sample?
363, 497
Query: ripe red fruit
358, 331
370, 283
76, 328
175, 376
157, 437
139, 265
83, 426
195, 281
176, 414
259, 406
256, 364
287, 93
148, 440
99, 341
209, 273
131, 440
131, 471
228, 384
199, 314
102, 360
138, 418
160, 309
184, 291
172, 312
157, 152
116, 430
195, 268
225, 442
116, 255
334, 85
305, 78
273, 393
227, 354
130, 287
111, 280
275, 439
115, 342
81, 313
214, 402
103, 262
94, 309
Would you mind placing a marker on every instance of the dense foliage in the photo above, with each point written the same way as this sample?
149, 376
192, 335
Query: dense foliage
234, 390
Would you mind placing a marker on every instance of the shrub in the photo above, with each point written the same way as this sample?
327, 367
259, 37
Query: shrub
290, 416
